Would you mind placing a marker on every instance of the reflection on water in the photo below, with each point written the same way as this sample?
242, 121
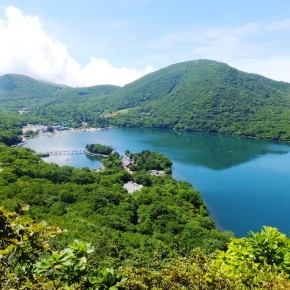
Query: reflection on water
245, 182
76, 160
214, 151
208, 150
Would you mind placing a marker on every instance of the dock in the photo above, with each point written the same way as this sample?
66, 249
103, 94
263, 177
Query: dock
68, 152
61, 152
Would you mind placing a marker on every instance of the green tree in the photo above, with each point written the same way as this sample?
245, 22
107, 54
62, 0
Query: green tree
27, 260
22, 242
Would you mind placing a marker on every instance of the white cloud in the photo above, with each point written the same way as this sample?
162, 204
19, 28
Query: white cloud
102, 70
27, 49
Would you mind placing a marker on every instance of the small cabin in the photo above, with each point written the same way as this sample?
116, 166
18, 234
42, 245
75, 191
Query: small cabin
127, 162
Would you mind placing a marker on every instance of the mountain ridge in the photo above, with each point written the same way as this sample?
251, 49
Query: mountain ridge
196, 95
207, 96
151, 73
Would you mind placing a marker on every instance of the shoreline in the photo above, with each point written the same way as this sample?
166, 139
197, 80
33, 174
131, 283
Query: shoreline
38, 133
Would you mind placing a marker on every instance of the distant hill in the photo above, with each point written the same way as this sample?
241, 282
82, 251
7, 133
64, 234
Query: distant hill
200, 95
52, 102
18, 91
205, 96
76, 106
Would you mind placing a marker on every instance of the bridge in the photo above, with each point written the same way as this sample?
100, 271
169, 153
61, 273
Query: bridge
62, 152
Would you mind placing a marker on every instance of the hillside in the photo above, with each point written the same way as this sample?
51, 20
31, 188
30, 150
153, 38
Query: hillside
206, 96
77, 105
201, 96
160, 237
125, 229
17, 92
50, 102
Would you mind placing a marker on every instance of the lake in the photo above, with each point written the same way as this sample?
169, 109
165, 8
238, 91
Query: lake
244, 182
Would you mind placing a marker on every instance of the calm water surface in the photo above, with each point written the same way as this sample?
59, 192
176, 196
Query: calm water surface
245, 183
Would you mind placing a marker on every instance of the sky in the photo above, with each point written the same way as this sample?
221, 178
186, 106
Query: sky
92, 42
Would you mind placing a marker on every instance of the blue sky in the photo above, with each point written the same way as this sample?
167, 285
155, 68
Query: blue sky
89, 42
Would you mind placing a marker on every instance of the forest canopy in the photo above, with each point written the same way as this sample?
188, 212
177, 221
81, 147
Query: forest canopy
99, 149
165, 218
28, 260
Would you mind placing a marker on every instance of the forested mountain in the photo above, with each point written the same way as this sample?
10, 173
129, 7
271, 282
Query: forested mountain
78, 105
48, 103
201, 95
206, 96
17, 92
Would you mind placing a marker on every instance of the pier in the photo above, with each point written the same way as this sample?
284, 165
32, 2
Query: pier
68, 152
62, 152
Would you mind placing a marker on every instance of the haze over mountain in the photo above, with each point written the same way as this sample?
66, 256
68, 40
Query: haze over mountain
200, 95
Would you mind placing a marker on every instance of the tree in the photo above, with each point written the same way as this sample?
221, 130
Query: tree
22, 242
99, 149
27, 260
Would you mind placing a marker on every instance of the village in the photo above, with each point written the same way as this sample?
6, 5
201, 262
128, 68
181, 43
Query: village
131, 186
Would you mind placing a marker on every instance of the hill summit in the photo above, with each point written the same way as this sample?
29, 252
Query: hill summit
206, 96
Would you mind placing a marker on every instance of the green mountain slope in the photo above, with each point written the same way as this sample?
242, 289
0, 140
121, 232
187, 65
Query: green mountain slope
201, 95
78, 105
52, 102
206, 96
17, 92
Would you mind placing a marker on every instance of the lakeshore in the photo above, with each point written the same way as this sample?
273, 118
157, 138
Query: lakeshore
241, 180
41, 130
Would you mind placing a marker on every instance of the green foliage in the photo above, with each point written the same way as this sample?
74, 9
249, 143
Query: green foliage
99, 149
64, 268
28, 262
267, 247
106, 279
271, 247
22, 242
147, 160
249, 263
161, 236
96, 207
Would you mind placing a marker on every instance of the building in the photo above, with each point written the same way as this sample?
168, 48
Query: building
127, 162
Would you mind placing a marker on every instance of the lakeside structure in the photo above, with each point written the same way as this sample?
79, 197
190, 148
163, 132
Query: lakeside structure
131, 186
33, 130
127, 162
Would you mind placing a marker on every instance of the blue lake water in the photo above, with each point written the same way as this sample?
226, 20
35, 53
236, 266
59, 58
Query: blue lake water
244, 182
